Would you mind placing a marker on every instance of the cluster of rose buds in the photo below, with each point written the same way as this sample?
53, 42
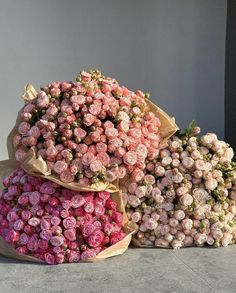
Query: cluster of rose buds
54, 224
188, 194
90, 130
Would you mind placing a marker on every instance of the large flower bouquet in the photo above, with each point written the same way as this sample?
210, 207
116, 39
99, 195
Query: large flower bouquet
93, 164
89, 131
187, 196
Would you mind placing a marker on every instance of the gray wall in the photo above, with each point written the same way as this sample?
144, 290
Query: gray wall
173, 49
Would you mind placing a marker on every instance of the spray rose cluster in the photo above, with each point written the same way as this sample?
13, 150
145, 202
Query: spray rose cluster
90, 130
187, 196
54, 224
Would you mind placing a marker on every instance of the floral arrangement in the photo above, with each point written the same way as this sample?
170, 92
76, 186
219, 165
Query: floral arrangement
188, 194
89, 131
77, 143
54, 224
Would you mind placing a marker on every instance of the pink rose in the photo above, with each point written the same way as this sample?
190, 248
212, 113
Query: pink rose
67, 177
117, 217
87, 159
88, 254
42, 100
18, 225
60, 166
47, 187
69, 222
96, 238
88, 119
32, 244
60, 258
55, 92
137, 175
51, 152
28, 229
130, 158
77, 201
34, 222
29, 107
45, 224
89, 207
29, 141
20, 154
58, 249
44, 197
73, 245
12, 236
111, 176
79, 99
70, 234
99, 210
101, 147
111, 205
24, 238
23, 128
64, 213
111, 132
43, 244
73, 256
66, 86
12, 216
56, 230
21, 250
53, 201
104, 158
81, 148
88, 229
16, 140
27, 187
55, 221
46, 234
95, 109
48, 208
116, 237
34, 198
23, 200
108, 228
49, 258
79, 132
96, 166
103, 195
57, 240
66, 204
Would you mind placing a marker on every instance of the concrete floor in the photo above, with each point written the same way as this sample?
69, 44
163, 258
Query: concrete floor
138, 270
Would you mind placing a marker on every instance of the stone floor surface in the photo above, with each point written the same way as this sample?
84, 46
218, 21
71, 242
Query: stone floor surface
138, 270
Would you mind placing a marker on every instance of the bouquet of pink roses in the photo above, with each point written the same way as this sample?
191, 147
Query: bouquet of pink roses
89, 132
41, 221
187, 196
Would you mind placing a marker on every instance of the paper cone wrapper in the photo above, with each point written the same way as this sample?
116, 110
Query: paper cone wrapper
168, 126
119, 248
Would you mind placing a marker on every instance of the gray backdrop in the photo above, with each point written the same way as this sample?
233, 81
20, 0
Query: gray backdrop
175, 49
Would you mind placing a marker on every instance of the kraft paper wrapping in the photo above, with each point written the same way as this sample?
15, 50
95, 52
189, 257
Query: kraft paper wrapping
37, 166
117, 249
168, 126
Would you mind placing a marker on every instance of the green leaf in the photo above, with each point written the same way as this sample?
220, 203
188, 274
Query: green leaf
189, 131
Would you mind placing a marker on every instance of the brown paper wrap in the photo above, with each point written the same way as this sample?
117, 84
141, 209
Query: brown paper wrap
168, 126
117, 249
37, 166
